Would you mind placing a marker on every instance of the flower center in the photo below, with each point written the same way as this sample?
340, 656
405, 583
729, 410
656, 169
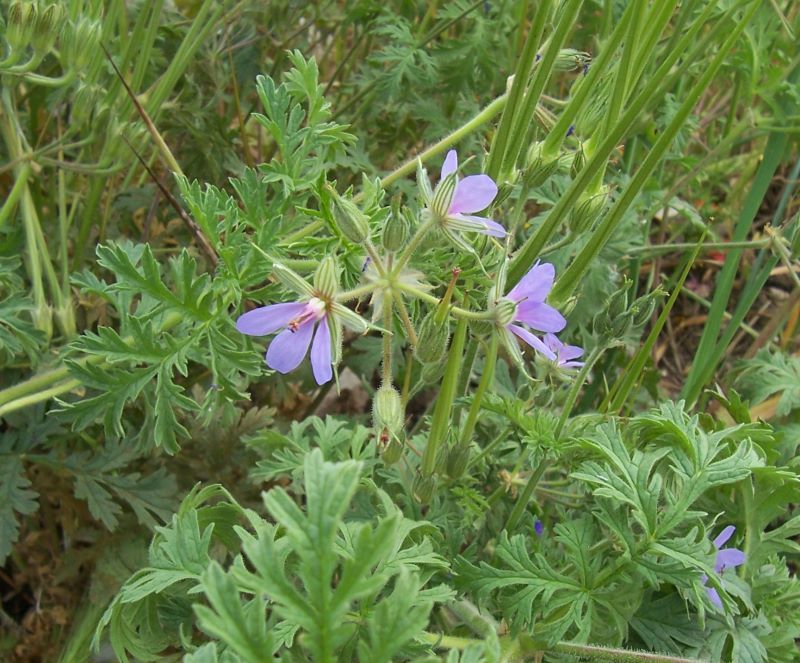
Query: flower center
315, 309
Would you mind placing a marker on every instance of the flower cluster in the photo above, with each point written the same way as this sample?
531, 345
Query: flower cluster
315, 320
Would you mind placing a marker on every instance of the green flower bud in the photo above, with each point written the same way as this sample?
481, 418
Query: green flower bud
432, 339
396, 229
387, 410
432, 373
586, 212
80, 40
504, 312
539, 167
423, 488
481, 327
47, 28
457, 460
578, 162
326, 278
21, 23
346, 216
84, 102
568, 59
392, 451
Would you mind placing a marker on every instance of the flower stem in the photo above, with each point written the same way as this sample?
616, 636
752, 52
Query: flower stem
444, 402
356, 293
486, 379
387, 339
405, 256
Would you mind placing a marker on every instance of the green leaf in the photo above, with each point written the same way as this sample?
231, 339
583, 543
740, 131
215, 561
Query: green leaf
241, 628
16, 497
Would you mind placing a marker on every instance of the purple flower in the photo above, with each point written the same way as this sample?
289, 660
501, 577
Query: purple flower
454, 201
538, 527
564, 353
299, 320
525, 303
726, 558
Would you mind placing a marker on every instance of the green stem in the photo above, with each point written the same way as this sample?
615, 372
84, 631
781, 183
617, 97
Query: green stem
656, 249
486, 379
356, 293
457, 311
444, 401
20, 184
413, 245
387, 340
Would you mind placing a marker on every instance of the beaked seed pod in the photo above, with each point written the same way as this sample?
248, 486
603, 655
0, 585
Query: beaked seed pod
326, 278
346, 216
423, 488
432, 339
387, 410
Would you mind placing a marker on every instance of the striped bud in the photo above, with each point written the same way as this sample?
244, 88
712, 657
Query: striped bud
432, 339
387, 411
539, 167
423, 488
396, 229
326, 278
457, 460
346, 216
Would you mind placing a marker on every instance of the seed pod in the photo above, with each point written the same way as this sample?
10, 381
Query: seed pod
396, 229
423, 488
346, 216
432, 339
457, 460
326, 278
387, 410
578, 162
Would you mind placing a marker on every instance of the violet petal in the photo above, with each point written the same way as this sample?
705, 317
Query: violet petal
714, 596
268, 319
724, 535
570, 352
450, 163
321, 353
535, 285
473, 194
289, 347
541, 317
487, 226
728, 558
535, 342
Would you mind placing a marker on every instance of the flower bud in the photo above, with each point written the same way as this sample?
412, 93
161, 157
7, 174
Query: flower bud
346, 216
396, 229
392, 451
432, 373
578, 162
586, 212
47, 28
84, 102
432, 339
326, 278
22, 17
443, 196
539, 167
457, 460
79, 43
387, 410
481, 327
568, 59
423, 488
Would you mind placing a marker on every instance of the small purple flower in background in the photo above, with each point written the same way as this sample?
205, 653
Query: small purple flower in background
564, 353
528, 307
453, 203
538, 527
298, 321
726, 558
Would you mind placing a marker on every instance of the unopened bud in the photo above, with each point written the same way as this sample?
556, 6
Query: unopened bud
423, 488
346, 216
326, 278
539, 167
387, 410
84, 102
392, 449
432, 339
21, 24
586, 212
481, 327
457, 460
80, 40
568, 59
578, 162
432, 373
47, 28
396, 229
